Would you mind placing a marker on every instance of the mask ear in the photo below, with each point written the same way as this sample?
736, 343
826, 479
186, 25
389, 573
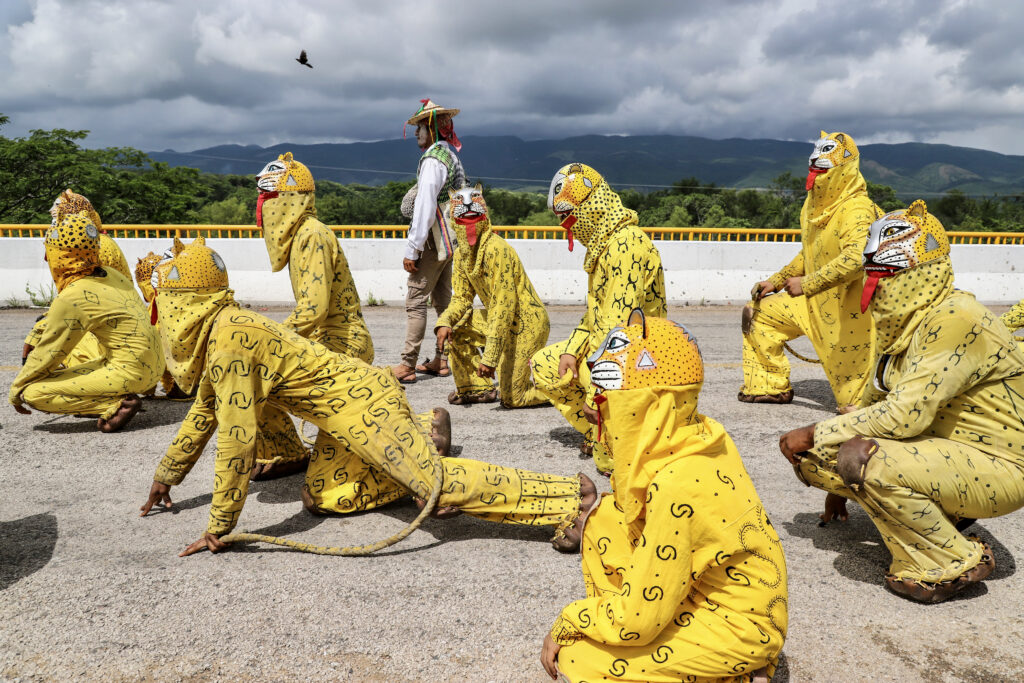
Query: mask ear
918, 208
199, 240
636, 317
451, 194
822, 134
479, 188
286, 157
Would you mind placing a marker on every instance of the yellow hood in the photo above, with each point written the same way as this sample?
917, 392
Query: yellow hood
901, 302
72, 249
597, 218
282, 215
649, 428
111, 256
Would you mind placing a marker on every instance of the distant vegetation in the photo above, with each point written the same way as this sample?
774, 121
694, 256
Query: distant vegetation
126, 186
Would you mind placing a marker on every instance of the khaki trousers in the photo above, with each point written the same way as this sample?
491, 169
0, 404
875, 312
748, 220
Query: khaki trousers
433, 280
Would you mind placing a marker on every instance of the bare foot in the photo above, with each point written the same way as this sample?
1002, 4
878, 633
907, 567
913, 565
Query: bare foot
276, 470
130, 405
405, 373
441, 431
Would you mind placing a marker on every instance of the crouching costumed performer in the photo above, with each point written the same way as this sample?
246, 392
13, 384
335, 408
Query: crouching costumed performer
96, 300
623, 272
684, 572
818, 292
245, 363
513, 325
946, 441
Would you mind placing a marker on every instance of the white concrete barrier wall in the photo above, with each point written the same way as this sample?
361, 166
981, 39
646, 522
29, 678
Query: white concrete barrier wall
695, 272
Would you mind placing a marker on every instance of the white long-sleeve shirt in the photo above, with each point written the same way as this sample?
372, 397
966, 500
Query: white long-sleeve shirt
430, 179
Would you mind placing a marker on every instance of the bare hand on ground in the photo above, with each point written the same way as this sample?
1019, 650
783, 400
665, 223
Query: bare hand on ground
567, 362
409, 265
795, 442
549, 656
159, 494
485, 371
209, 542
835, 508
761, 290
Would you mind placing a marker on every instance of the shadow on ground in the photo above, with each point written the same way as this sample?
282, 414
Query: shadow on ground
26, 546
815, 394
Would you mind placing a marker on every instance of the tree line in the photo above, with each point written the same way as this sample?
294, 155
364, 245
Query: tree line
126, 186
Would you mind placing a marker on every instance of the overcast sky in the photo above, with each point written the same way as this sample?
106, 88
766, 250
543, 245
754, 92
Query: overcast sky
186, 74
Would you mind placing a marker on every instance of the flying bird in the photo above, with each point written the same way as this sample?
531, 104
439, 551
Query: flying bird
302, 59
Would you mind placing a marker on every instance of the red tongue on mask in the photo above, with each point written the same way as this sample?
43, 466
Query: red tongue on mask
812, 175
567, 224
598, 400
264, 196
470, 225
869, 291
152, 311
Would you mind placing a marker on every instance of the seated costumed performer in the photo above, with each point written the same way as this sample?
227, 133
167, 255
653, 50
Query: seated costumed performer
143, 276
684, 572
946, 441
245, 363
68, 203
818, 292
96, 300
623, 272
511, 328
1014, 318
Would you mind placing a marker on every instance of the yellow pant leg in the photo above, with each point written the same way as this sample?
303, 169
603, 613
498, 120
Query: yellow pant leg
339, 481
779, 318
911, 491
514, 372
508, 495
353, 341
92, 388
468, 337
605, 550
568, 396
277, 437
383, 432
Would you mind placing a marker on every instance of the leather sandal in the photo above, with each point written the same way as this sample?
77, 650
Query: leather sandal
457, 399
929, 592
784, 397
130, 405
569, 535
440, 370
404, 374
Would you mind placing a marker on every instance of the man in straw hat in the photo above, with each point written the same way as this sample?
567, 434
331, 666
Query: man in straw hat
430, 247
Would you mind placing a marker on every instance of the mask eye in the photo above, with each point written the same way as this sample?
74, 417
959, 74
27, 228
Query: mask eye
828, 148
558, 188
617, 342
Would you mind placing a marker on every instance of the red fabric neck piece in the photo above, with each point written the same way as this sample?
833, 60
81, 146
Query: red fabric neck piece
567, 224
264, 196
812, 175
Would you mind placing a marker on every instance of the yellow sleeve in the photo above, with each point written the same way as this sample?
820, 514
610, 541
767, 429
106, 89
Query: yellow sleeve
192, 437
956, 356
240, 396
503, 272
1013, 318
794, 268
462, 296
581, 334
311, 267
65, 324
855, 221
36, 333
653, 585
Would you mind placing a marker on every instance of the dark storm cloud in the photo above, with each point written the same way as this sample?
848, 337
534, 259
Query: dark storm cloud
157, 74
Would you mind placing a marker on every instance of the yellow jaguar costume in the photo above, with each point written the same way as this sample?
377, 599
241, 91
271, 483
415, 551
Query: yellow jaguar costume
1014, 318
93, 300
624, 272
67, 204
245, 363
514, 323
947, 439
834, 225
684, 572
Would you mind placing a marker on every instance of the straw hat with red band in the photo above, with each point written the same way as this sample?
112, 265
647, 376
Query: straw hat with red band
438, 120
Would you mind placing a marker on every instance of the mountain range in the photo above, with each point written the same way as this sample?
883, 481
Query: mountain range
643, 162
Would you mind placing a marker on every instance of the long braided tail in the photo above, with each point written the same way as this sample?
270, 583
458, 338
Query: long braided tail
754, 307
354, 550
801, 356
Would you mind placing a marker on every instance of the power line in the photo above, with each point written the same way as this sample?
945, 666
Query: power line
545, 182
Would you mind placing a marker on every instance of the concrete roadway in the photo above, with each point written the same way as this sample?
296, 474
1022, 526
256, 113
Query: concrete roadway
88, 590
